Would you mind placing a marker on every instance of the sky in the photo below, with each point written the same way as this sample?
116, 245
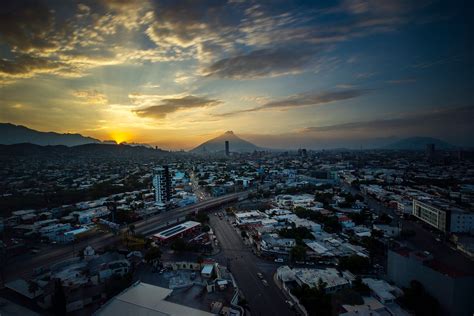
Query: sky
282, 74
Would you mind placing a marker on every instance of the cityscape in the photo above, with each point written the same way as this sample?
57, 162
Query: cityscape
240, 158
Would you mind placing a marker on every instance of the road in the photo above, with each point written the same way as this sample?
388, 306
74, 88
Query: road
200, 193
18, 267
244, 265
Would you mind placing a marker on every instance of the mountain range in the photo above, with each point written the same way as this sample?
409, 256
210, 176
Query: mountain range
11, 134
16, 134
217, 145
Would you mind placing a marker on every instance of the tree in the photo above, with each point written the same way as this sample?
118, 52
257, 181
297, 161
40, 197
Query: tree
202, 217
59, 299
33, 287
206, 228
243, 234
355, 264
332, 225
152, 254
360, 287
298, 253
117, 284
179, 245
297, 233
131, 229
385, 218
315, 300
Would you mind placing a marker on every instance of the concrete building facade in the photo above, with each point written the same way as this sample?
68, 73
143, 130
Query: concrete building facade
162, 185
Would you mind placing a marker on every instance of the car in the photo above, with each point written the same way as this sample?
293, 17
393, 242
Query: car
279, 260
260, 276
265, 283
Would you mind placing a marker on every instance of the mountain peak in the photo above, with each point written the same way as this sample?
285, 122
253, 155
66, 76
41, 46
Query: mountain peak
217, 144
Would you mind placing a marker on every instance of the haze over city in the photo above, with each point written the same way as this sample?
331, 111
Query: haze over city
282, 74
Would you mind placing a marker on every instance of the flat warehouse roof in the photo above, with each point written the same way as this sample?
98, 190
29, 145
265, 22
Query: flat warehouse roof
175, 230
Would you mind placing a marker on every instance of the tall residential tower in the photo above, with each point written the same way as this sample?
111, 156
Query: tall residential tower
162, 185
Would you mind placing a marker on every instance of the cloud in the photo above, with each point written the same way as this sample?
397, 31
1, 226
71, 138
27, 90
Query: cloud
261, 63
91, 96
26, 25
168, 106
402, 81
304, 99
234, 39
25, 66
453, 122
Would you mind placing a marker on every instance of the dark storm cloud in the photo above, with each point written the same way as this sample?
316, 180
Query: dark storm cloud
25, 25
168, 106
452, 120
304, 99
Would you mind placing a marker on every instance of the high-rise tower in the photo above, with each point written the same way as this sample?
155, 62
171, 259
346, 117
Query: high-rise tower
162, 184
227, 152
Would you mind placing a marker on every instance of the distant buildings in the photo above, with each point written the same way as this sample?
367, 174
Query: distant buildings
162, 185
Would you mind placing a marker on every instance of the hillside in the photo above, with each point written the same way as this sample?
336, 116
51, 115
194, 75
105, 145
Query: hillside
17, 134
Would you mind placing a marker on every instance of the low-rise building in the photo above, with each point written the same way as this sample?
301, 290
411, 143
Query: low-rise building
332, 279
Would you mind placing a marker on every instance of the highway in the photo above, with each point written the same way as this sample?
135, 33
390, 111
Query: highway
19, 267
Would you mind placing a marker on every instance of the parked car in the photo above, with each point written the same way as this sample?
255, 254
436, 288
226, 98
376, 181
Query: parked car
279, 260
260, 276
265, 283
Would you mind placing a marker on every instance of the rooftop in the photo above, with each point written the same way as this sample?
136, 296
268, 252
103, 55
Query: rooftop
146, 299
175, 230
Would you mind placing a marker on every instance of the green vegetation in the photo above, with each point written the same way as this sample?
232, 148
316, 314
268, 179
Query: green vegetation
298, 234
315, 300
355, 264
359, 218
298, 253
331, 223
152, 254
360, 287
117, 284
385, 219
